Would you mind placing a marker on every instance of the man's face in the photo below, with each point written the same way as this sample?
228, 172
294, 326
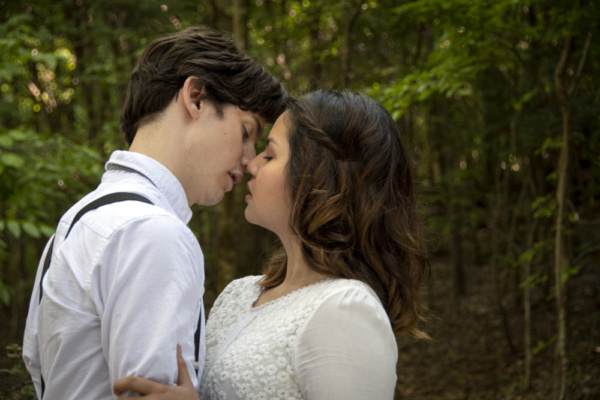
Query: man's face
218, 152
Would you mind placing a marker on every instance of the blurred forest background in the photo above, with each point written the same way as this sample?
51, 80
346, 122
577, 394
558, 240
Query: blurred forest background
497, 100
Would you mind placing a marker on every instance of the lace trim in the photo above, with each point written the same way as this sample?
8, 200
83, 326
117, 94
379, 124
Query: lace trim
257, 361
285, 296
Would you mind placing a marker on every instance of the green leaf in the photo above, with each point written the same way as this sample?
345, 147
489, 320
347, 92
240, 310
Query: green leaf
14, 228
18, 135
46, 230
6, 141
31, 229
4, 294
12, 160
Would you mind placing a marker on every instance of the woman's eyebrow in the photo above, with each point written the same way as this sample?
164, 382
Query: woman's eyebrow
271, 140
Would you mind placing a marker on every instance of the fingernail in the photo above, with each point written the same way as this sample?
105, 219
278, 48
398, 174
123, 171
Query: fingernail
179, 350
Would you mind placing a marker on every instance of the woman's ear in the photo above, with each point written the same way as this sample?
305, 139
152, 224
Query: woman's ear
191, 94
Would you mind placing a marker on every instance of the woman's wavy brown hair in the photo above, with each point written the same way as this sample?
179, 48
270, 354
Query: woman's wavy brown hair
353, 202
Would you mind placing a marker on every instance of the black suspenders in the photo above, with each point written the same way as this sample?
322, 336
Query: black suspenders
104, 200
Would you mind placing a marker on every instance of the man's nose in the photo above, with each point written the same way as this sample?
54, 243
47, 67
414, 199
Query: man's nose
249, 155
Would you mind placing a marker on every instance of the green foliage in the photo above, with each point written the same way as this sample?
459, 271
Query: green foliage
543, 207
471, 84
4, 294
17, 368
542, 345
41, 168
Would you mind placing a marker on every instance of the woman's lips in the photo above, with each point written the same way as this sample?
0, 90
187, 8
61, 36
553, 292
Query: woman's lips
249, 195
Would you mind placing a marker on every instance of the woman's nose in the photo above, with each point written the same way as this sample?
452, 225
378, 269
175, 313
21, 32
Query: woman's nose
252, 166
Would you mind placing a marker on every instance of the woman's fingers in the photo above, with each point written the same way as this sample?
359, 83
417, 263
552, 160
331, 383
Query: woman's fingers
183, 375
136, 384
157, 391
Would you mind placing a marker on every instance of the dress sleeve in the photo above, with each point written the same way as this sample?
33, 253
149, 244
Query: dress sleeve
347, 349
152, 299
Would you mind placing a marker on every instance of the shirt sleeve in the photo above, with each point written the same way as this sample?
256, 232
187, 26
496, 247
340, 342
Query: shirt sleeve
152, 295
31, 351
347, 349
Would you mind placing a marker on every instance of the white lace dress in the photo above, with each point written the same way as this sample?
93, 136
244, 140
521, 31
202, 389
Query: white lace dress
329, 340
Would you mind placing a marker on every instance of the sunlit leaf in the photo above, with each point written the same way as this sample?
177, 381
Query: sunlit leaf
31, 229
12, 160
14, 228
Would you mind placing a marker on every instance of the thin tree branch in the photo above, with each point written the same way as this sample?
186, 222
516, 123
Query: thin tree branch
586, 49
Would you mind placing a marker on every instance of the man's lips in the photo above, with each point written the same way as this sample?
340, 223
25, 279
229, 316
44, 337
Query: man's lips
235, 177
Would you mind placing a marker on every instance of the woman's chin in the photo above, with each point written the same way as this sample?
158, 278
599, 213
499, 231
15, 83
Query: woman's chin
248, 216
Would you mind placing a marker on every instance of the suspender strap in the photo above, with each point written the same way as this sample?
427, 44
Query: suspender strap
197, 340
108, 199
104, 200
46, 265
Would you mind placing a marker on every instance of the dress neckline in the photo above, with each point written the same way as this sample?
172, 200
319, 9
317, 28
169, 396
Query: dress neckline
285, 296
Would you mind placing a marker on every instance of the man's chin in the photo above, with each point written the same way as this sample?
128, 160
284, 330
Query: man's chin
211, 201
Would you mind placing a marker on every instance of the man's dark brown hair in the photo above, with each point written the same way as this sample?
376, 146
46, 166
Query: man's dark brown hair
227, 74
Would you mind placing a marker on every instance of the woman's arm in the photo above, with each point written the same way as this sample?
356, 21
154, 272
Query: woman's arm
156, 391
347, 349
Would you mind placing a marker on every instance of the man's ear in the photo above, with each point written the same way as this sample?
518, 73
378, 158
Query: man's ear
191, 94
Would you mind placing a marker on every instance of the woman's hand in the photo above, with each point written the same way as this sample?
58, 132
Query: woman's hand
156, 391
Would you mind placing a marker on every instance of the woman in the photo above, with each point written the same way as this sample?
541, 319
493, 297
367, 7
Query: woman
335, 185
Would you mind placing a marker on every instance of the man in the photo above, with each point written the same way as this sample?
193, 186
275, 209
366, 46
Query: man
125, 280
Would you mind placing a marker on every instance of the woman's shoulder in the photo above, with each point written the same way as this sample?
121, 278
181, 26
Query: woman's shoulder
239, 290
349, 287
242, 283
351, 297
338, 296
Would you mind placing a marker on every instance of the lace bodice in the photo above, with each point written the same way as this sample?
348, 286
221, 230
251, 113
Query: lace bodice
310, 343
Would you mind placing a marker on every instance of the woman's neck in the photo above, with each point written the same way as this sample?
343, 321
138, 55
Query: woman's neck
298, 274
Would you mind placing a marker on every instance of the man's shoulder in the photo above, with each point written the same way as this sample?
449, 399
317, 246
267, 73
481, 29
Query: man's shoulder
125, 214
135, 215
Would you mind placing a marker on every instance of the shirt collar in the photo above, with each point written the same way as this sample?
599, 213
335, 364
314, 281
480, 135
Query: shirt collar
158, 174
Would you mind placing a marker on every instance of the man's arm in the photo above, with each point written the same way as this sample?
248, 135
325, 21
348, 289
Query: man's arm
151, 295
31, 351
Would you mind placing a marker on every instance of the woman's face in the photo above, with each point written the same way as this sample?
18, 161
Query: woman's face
268, 200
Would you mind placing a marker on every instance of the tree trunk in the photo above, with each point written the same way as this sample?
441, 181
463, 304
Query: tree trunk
316, 66
226, 243
527, 305
560, 256
240, 22
453, 210
349, 15
217, 10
